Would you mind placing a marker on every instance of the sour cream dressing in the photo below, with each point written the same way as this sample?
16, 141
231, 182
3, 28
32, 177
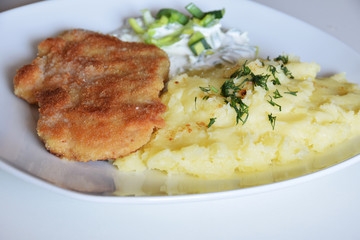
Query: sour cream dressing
227, 45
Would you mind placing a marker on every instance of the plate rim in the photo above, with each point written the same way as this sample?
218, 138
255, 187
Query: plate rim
178, 198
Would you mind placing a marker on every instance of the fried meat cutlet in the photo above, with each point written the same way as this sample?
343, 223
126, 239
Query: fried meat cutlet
98, 97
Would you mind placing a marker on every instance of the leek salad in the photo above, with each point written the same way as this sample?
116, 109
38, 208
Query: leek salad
192, 42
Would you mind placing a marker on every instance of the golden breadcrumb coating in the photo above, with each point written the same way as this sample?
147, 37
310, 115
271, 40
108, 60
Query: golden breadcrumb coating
98, 97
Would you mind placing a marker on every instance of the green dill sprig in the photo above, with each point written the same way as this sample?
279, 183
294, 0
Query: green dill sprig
209, 88
273, 71
229, 90
287, 72
283, 58
294, 93
241, 109
272, 120
260, 80
204, 89
274, 103
277, 94
242, 71
212, 121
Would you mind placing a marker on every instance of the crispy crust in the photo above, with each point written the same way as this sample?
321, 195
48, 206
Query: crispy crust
98, 97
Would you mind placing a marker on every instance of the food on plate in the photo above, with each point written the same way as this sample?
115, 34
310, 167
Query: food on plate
223, 113
192, 42
98, 96
249, 118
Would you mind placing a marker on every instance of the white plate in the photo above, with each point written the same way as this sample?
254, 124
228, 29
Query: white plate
22, 29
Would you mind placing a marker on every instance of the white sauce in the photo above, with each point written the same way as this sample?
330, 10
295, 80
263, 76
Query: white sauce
227, 46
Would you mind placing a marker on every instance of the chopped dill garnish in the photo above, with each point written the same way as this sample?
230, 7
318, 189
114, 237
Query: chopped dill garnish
287, 72
272, 120
277, 94
274, 103
283, 58
260, 80
229, 90
276, 81
232, 90
204, 89
273, 71
195, 102
243, 71
241, 109
212, 121
291, 92
209, 88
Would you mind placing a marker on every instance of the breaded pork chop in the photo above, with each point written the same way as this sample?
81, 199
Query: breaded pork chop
98, 97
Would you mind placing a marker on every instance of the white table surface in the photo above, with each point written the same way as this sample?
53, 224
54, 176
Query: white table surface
325, 208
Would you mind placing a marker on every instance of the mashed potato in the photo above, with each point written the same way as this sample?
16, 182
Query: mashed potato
285, 121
